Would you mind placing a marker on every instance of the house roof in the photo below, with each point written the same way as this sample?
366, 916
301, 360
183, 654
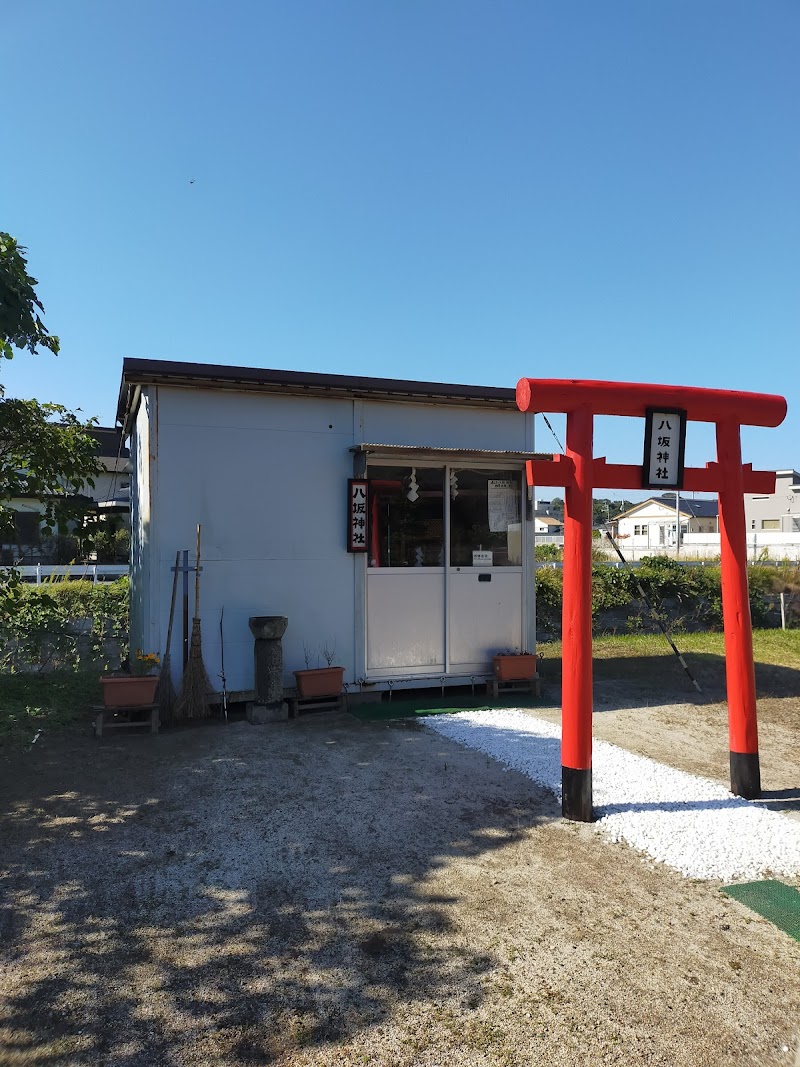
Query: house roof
549, 520
696, 509
137, 372
109, 439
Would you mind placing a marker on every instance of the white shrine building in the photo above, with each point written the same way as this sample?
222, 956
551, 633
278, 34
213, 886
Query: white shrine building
442, 575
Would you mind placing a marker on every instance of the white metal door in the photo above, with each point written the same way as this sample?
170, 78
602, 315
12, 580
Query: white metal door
405, 621
484, 615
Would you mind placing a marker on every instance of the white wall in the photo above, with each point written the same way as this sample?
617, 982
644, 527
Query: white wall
265, 475
783, 504
109, 482
442, 426
144, 625
770, 545
652, 516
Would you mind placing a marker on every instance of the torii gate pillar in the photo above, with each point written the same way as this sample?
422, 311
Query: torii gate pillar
576, 672
580, 473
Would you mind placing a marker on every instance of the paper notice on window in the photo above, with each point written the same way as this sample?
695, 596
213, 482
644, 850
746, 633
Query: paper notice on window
503, 503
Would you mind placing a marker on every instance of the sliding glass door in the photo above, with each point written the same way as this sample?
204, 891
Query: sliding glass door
445, 577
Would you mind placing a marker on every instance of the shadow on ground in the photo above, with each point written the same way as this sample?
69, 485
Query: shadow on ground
661, 679
229, 895
779, 799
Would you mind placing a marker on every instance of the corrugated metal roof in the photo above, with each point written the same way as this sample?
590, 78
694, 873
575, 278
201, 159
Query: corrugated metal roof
440, 450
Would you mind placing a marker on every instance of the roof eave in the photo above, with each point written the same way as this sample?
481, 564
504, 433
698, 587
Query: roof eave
299, 383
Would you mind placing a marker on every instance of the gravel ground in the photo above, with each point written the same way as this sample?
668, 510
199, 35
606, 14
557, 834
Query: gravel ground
334, 892
692, 824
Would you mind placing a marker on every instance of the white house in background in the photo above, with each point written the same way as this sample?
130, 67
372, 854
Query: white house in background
547, 524
780, 511
109, 497
261, 459
111, 492
653, 524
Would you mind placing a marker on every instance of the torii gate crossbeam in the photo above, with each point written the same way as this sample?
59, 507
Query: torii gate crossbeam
580, 473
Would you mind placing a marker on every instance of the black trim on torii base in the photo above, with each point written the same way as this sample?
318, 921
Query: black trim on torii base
745, 775
576, 794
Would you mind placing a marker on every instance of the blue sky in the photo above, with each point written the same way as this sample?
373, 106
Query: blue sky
451, 191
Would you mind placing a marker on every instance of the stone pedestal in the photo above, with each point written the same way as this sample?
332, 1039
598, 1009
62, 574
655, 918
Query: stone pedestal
258, 714
268, 705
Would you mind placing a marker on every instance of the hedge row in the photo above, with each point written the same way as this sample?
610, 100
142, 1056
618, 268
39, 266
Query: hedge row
686, 597
62, 624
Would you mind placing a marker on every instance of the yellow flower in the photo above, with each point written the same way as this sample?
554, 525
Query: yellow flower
145, 662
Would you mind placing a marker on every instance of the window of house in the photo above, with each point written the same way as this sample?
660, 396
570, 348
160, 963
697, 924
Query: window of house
770, 524
639, 531
27, 528
485, 516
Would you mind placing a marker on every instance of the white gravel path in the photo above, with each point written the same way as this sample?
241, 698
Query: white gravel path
692, 824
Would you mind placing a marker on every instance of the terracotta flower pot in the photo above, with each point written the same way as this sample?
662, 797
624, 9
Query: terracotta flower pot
514, 668
129, 690
322, 682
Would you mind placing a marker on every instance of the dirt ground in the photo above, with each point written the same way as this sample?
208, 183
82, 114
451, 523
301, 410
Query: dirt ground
329, 891
691, 733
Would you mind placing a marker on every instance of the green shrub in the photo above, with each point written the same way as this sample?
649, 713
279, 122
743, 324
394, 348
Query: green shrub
54, 624
548, 553
611, 588
662, 577
549, 592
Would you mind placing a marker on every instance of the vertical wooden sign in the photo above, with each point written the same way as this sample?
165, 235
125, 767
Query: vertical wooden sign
357, 515
664, 448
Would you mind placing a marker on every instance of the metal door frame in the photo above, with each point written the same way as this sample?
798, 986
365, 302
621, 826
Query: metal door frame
527, 586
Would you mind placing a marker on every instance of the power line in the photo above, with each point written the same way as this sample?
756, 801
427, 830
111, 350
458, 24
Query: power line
552, 431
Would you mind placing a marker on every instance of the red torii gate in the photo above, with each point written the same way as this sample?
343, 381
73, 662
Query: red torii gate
580, 473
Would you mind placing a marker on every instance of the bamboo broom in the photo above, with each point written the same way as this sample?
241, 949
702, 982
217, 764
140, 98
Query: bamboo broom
195, 698
165, 694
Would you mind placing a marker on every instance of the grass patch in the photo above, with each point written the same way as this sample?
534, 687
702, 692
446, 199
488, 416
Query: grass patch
647, 660
47, 702
780, 648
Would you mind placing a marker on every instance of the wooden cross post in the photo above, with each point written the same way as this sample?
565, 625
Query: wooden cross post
185, 569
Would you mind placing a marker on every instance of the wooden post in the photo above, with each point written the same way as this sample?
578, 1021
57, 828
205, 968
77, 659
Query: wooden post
185, 607
576, 685
739, 669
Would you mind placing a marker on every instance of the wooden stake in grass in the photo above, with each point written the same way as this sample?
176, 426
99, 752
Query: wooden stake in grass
195, 698
165, 694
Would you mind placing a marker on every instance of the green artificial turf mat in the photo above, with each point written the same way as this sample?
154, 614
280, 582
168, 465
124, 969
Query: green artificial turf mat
776, 901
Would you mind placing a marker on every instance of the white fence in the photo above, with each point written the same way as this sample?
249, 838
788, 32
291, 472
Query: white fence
762, 546
93, 572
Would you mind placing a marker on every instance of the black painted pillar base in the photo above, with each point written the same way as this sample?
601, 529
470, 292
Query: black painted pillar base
745, 775
576, 794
